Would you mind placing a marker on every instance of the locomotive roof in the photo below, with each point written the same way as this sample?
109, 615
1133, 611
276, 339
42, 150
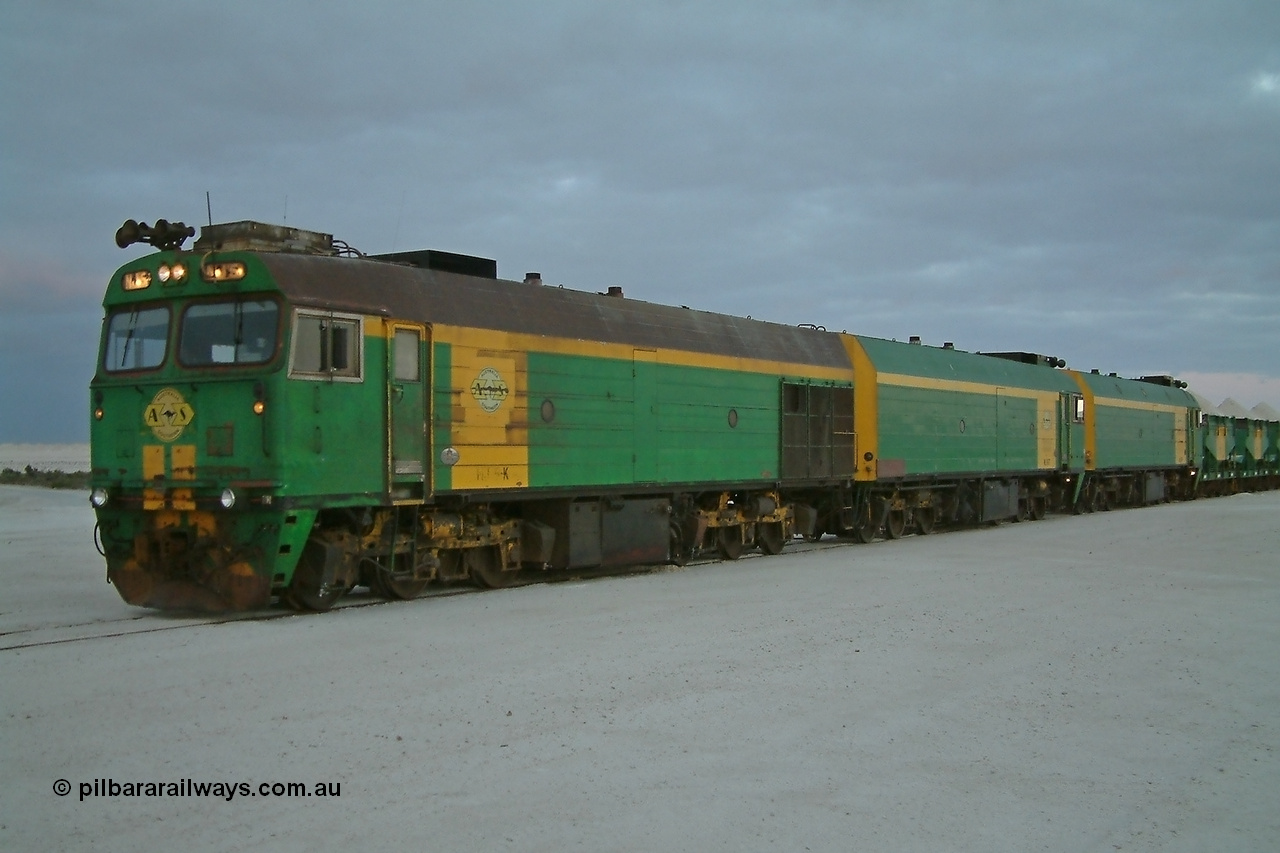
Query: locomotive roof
1111, 387
433, 296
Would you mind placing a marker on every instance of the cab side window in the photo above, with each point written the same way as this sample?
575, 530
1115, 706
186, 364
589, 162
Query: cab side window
326, 346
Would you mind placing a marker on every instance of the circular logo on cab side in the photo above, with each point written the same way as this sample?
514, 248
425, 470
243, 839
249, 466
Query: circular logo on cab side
168, 414
489, 389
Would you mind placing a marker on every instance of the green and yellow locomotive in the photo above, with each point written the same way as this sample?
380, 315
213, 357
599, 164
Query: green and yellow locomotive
273, 418
276, 415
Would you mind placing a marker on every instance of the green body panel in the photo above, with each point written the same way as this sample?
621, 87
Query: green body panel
441, 414
331, 436
591, 439
1269, 464
1129, 438
965, 412
678, 432
937, 431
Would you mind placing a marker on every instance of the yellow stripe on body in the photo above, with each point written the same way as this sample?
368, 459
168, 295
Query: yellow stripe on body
866, 412
1140, 406
519, 342
1090, 423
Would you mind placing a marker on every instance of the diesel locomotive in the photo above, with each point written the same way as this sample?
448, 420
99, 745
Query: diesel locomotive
277, 416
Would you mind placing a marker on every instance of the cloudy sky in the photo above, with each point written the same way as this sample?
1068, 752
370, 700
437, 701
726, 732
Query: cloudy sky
1098, 181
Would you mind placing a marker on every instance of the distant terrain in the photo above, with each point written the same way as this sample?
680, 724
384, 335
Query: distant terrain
51, 466
57, 479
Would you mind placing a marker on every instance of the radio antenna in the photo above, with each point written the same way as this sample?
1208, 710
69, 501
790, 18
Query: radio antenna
208, 206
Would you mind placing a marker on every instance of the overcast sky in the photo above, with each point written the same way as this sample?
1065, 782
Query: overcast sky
1098, 181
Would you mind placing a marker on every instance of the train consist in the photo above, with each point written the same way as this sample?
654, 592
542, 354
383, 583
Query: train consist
277, 416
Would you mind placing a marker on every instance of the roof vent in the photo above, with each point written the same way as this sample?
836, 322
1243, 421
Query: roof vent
1030, 358
915, 339
615, 291
948, 345
434, 259
533, 278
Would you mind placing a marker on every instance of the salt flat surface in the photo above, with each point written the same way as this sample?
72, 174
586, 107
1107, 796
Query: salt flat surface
1105, 682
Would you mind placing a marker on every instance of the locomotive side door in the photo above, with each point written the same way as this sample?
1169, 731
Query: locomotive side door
407, 451
1064, 431
1070, 431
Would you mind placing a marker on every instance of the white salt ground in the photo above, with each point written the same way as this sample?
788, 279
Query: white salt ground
1105, 682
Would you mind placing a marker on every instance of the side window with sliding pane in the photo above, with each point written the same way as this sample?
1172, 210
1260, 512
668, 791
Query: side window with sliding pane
326, 346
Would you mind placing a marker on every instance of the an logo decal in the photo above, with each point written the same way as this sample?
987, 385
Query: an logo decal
489, 389
168, 414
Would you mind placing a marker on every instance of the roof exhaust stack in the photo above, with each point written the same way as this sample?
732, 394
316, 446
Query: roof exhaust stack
915, 339
615, 291
533, 278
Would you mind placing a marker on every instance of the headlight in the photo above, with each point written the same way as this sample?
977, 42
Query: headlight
98, 497
228, 498
175, 273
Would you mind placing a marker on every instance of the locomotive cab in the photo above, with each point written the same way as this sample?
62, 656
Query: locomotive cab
189, 448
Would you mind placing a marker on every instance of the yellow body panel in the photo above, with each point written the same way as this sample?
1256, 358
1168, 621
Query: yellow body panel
184, 462
490, 409
153, 462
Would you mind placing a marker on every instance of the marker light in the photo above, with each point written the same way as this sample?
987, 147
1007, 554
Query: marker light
98, 497
259, 407
138, 280
228, 498
98, 413
223, 271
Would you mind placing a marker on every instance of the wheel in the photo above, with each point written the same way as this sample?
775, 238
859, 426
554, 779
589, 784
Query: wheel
865, 532
485, 567
1039, 508
729, 542
381, 583
771, 537
925, 520
896, 523
306, 590
681, 551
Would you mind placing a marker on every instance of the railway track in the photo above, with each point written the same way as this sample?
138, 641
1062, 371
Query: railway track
152, 622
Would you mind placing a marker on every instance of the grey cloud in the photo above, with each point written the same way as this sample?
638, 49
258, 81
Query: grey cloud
1093, 179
